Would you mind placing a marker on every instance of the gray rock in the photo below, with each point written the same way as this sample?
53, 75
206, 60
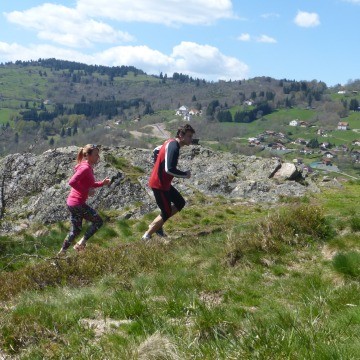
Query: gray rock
287, 171
33, 188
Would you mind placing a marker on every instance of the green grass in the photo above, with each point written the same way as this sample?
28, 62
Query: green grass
131, 78
23, 83
277, 121
233, 281
339, 137
132, 172
354, 120
5, 116
348, 263
19, 85
290, 114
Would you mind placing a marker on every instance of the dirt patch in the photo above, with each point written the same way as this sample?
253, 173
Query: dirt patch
3, 356
157, 130
211, 299
328, 253
102, 326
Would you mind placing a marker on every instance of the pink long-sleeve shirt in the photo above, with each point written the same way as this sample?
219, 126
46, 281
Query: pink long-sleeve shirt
81, 182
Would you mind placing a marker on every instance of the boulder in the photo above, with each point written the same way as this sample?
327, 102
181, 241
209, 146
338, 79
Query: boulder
287, 171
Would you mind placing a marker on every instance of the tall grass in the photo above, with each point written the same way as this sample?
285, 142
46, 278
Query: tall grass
348, 263
282, 299
295, 225
122, 260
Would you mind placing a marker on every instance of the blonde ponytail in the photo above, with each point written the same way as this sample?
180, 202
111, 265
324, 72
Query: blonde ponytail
86, 150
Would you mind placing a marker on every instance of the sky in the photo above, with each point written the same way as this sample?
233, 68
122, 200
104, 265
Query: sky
207, 39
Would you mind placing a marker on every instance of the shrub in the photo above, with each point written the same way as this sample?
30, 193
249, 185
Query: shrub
299, 225
82, 269
348, 263
355, 223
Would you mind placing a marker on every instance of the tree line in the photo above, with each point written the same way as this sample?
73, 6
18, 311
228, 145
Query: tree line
58, 65
109, 108
245, 116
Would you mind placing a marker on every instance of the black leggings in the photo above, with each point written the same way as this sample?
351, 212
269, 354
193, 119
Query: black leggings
164, 200
78, 213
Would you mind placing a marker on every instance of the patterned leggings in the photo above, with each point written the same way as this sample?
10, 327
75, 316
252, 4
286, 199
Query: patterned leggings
78, 213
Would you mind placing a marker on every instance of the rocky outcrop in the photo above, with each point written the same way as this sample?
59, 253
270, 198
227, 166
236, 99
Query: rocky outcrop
33, 188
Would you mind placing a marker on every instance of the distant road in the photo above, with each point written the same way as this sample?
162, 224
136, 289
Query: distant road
160, 127
158, 130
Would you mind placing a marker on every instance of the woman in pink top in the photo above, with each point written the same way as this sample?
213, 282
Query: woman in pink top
82, 185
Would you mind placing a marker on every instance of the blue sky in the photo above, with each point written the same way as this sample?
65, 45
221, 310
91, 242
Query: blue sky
211, 39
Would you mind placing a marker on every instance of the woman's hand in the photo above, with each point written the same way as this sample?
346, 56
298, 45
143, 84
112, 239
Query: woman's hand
106, 181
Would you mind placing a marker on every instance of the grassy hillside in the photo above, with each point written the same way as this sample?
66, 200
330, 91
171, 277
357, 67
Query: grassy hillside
232, 281
54, 103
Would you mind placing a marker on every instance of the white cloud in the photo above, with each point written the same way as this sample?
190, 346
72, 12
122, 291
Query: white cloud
353, 1
306, 19
13, 52
144, 58
208, 62
66, 26
174, 12
270, 15
202, 61
244, 37
261, 38
266, 39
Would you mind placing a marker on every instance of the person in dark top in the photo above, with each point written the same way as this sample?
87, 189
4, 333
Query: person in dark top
155, 154
165, 169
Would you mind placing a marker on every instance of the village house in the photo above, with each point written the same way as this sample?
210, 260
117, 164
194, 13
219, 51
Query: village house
253, 141
184, 112
195, 112
301, 141
270, 132
356, 143
355, 155
306, 151
248, 102
303, 124
343, 147
324, 146
321, 132
278, 146
326, 161
294, 122
297, 161
343, 125
329, 154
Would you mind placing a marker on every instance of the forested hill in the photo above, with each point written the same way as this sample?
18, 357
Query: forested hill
76, 66
52, 102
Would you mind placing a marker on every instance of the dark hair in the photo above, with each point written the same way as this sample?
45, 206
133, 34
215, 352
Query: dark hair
182, 130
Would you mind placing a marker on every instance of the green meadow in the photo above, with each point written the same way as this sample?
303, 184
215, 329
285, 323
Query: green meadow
231, 281
23, 84
6, 115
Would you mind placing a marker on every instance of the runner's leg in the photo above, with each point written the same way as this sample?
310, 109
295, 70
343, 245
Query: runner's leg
96, 222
